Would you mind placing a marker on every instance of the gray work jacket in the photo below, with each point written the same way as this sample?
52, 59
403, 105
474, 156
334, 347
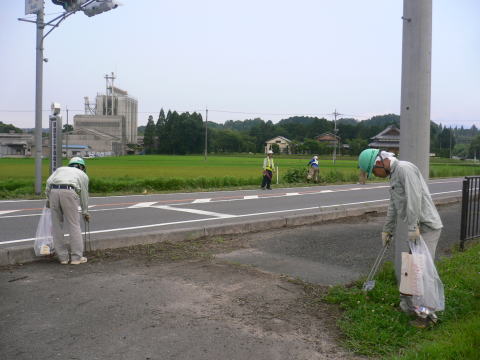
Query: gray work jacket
71, 176
410, 199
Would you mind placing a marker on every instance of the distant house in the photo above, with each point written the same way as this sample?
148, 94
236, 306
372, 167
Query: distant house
328, 138
282, 142
388, 139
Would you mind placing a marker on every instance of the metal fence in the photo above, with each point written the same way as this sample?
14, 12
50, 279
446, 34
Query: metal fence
470, 227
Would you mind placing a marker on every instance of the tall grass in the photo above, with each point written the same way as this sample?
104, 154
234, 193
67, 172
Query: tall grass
137, 174
373, 324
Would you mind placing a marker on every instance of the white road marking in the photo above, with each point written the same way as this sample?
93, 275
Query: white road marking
7, 211
171, 223
198, 201
195, 211
188, 203
292, 194
142, 204
216, 218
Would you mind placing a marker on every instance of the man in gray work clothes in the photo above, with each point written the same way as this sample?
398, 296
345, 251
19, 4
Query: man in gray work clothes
66, 187
410, 201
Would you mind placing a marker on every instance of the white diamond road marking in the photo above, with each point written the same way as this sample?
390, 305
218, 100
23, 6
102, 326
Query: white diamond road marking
198, 201
195, 211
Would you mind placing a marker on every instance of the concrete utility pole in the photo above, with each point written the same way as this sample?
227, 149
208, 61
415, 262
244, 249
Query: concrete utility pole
90, 8
416, 83
38, 101
206, 133
415, 98
335, 114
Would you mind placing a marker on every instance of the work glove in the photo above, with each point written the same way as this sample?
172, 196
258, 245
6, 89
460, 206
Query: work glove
414, 235
386, 238
86, 217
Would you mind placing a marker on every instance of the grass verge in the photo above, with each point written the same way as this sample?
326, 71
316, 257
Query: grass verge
373, 325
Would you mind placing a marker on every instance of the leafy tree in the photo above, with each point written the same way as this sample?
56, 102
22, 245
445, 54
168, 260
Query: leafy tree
149, 137
67, 128
474, 148
276, 149
6, 128
160, 132
357, 146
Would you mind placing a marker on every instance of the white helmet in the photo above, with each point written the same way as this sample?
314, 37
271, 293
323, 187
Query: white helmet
315, 157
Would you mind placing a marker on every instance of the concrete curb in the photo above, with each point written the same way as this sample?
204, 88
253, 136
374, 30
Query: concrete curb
24, 253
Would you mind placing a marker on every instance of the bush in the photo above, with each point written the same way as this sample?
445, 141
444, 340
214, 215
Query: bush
295, 175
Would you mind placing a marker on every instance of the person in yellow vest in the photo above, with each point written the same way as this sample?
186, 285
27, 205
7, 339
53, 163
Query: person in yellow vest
268, 169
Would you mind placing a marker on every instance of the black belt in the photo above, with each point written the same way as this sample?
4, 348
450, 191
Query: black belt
66, 187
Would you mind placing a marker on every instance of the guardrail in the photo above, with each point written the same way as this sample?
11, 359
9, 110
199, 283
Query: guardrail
470, 227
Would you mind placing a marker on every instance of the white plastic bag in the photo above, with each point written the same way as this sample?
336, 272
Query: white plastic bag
411, 277
43, 238
432, 296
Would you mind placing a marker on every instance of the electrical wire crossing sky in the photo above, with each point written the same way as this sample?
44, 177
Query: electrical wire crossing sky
241, 60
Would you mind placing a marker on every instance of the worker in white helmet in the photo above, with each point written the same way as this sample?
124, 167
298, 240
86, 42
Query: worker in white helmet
268, 169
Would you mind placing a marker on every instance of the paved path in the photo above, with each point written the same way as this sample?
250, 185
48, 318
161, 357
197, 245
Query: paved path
118, 216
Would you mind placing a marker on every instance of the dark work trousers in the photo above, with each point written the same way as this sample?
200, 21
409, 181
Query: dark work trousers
267, 179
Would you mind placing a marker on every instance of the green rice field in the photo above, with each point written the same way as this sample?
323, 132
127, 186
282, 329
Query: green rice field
156, 173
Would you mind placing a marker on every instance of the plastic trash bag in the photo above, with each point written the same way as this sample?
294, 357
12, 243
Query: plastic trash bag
43, 238
431, 297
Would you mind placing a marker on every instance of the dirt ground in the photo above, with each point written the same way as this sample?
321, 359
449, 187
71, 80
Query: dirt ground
166, 301
220, 298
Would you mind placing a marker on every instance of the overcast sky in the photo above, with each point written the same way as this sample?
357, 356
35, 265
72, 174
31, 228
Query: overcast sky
262, 58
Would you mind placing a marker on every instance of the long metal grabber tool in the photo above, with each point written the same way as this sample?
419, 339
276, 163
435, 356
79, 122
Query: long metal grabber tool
369, 284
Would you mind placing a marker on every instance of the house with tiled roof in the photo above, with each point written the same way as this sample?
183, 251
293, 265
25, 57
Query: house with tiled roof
388, 139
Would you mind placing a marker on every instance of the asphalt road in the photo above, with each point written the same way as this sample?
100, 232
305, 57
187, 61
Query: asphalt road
126, 215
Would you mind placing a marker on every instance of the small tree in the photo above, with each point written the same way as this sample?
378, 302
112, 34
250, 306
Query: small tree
276, 149
149, 137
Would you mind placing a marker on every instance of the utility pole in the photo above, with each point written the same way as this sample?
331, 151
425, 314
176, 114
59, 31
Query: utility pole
38, 101
206, 132
66, 137
416, 83
450, 147
90, 8
415, 99
335, 114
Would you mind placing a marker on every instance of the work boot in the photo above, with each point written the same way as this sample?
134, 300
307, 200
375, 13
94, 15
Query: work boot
82, 260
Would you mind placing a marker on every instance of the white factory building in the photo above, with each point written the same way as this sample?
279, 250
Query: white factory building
109, 126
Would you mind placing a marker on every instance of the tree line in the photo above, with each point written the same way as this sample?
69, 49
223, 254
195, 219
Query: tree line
184, 133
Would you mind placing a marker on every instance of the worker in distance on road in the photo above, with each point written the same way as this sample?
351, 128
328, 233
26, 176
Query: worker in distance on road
66, 188
268, 169
410, 201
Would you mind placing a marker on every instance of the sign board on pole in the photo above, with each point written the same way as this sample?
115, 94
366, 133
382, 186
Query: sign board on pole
33, 6
55, 142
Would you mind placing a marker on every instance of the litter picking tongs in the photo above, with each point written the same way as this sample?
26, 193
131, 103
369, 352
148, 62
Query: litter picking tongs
86, 236
369, 284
